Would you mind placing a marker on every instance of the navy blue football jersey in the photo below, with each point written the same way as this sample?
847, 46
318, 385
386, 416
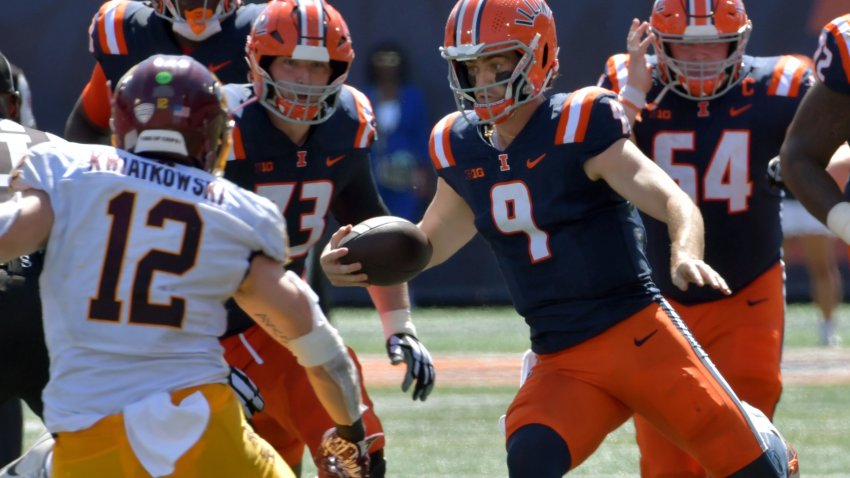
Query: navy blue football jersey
329, 174
570, 249
123, 33
718, 151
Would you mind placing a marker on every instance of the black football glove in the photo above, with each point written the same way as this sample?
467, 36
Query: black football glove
408, 349
247, 392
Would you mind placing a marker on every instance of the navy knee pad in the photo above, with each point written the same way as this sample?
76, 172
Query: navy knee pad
537, 451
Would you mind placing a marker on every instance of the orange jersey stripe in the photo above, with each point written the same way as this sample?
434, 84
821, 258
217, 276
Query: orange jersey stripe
439, 146
776, 78
575, 115
238, 145
95, 99
797, 81
366, 131
834, 30
119, 28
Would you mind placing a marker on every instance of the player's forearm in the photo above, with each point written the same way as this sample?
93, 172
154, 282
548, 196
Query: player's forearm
811, 184
338, 388
686, 229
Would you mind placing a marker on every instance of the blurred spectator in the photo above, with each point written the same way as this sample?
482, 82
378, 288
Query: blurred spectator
400, 156
802, 230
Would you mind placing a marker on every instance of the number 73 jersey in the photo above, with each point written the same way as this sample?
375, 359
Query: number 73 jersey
718, 151
570, 249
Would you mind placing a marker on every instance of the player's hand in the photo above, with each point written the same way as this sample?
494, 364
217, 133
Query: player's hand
341, 275
247, 392
774, 174
637, 44
420, 368
340, 458
697, 272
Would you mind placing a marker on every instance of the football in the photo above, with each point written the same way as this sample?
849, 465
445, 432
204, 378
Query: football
391, 249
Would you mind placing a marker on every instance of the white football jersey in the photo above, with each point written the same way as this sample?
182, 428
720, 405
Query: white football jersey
140, 260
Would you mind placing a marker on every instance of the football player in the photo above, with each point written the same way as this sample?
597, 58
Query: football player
157, 241
123, 33
712, 118
22, 334
820, 126
553, 184
302, 140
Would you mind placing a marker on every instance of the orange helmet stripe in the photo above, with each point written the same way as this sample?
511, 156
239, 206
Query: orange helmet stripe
311, 15
837, 28
439, 146
700, 11
468, 22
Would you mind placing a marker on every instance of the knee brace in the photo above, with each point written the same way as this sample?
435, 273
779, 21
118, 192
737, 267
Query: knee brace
537, 451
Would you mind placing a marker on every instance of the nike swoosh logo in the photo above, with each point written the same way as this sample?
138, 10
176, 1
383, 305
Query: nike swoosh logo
640, 342
733, 112
216, 67
752, 302
329, 161
533, 162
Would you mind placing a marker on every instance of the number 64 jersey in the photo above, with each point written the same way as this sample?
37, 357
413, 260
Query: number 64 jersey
718, 151
140, 260
571, 249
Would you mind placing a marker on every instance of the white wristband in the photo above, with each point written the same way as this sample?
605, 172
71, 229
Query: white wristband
838, 220
633, 96
397, 322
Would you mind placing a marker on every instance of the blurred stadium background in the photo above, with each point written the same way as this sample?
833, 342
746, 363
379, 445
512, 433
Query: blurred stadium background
455, 432
48, 39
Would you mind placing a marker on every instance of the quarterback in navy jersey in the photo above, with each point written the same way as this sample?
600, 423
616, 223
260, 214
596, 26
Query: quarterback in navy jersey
302, 139
123, 33
716, 119
820, 126
553, 185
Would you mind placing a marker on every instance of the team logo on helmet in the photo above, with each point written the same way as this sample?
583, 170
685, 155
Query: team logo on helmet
143, 112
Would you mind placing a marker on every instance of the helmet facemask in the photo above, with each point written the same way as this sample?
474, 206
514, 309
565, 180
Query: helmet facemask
701, 80
195, 20
296, 102
519, 88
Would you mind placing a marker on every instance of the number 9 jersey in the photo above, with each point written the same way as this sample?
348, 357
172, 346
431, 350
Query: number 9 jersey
571, 249
133, 299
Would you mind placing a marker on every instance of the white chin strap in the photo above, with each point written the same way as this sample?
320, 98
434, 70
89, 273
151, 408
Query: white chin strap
183, 29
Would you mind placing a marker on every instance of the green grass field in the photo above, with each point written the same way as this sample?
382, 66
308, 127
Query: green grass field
455, 433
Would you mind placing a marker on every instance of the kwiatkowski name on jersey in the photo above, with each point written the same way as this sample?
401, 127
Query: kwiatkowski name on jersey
161, 174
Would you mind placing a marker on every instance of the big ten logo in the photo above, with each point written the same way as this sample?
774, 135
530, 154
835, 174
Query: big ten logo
474, 173
661, 114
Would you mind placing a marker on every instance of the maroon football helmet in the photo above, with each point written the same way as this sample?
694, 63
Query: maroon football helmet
172, 108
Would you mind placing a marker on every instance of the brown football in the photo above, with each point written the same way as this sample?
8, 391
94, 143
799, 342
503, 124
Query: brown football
391, 249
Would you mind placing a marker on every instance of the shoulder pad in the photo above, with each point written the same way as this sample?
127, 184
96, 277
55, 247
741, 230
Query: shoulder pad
616, 72
439, 145
359, 107
106, 32
789, 73
832, 57
575, 113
